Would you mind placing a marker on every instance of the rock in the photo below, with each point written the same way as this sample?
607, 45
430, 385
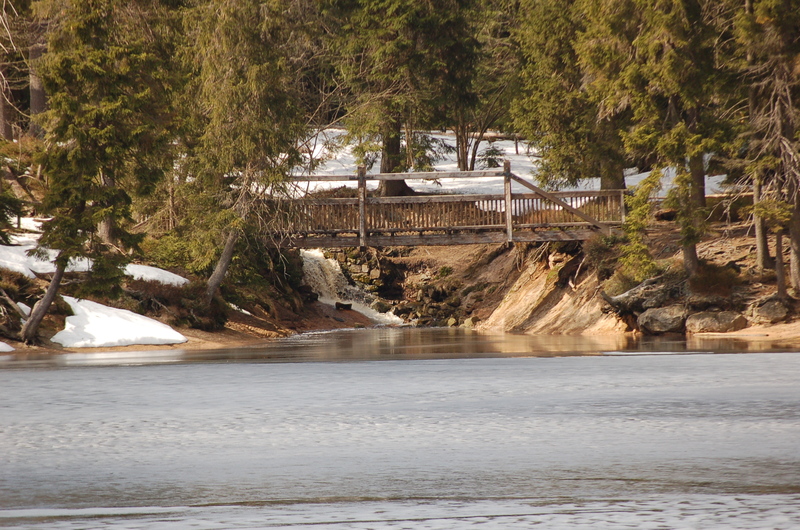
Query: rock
663, 319
715, 322
470, 322
343, 307
374, 274
769, 311
365, 268
657, 300
666, 214
452, 322
380, 306
701, 302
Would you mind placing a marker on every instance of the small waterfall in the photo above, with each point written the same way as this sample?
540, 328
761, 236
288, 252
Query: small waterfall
325, 277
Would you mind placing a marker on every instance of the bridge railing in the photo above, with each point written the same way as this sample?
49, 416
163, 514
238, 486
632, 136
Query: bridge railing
449, 219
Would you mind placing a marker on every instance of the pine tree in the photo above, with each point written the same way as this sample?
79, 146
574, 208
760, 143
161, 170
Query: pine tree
661, 62
107, 128
554, 111
403, 61
769, 33
245, 116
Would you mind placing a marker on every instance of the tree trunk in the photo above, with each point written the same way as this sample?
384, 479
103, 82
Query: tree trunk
462, 146
391, 161
691, 263
794, 245
30, 330
221, 269
38, 100
763, 259
612, 175
106, 226
780, 274
6, 110
698, 172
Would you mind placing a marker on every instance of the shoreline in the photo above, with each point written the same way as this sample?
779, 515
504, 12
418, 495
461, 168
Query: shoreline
778, 336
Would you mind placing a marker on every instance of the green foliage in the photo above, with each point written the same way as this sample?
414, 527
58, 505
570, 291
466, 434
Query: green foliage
555, 112
106, 128
636, 261
714, 280
602, 253
403, 62
490, 157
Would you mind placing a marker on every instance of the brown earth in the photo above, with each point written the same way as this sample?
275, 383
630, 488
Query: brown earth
507, 290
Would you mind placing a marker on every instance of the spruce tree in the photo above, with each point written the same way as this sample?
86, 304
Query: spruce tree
403, 62
769, 34
107, 128
554, 110
244, 116
661, 62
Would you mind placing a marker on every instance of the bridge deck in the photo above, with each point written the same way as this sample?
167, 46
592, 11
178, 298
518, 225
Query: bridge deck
447, 219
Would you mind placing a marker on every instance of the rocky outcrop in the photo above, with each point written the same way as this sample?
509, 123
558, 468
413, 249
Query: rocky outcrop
538, 304
657, 320
715, 322
769, 311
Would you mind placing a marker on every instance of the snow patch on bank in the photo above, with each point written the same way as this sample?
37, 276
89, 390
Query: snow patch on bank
94, 325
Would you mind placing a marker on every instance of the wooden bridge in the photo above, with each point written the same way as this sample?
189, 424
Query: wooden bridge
535, 215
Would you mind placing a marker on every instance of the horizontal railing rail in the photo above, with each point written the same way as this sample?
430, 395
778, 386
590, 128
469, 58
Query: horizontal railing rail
535, 215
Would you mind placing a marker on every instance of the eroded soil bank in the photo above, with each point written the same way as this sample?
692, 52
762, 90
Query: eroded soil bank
525, 288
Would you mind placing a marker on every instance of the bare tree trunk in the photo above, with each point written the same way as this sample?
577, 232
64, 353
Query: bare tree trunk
794, 243
763, 259
691, 263
780, 273
30, 330
221, 269
106, 226
6, 109
38, 99
391, 160
698, 173
697, 201
462, 146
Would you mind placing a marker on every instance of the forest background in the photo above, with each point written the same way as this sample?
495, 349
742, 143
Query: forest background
154, 129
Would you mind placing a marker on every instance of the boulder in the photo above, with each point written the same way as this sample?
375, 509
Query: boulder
380, 306
715, 322
769, 312
663, 319
470, 322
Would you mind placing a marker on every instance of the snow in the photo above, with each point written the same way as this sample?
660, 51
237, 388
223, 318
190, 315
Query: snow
342, 161
95, 325
154, 274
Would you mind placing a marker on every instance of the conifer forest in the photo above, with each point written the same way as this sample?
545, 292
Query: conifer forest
154, 129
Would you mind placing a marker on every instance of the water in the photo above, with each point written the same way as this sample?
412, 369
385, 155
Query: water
325, 277
402, 428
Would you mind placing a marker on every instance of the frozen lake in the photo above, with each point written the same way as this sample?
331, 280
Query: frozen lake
402, 429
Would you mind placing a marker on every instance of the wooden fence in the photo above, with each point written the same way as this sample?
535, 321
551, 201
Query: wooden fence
534, 215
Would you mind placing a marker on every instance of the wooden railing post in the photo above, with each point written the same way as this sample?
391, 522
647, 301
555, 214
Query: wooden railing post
362, 207
509, 206
622, 205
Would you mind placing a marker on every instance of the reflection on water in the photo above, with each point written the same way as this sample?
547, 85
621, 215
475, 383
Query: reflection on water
396, 343
452, 429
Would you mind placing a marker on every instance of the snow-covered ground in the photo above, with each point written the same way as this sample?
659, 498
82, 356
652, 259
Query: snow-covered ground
93, 324
342, 162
